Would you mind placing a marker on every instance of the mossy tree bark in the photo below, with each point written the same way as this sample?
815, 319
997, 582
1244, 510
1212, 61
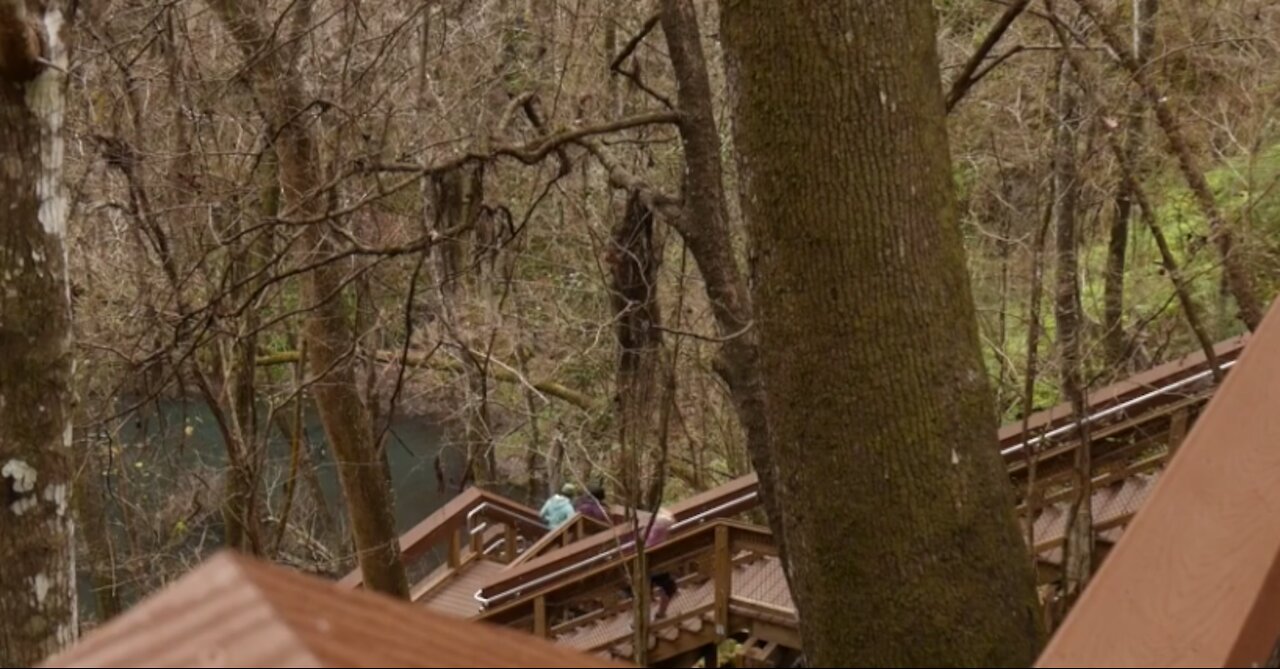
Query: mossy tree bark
705, 228
37, 534
902, 539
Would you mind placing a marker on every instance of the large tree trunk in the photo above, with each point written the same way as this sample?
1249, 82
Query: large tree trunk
633, 262
1144, 36
899, 518
706, 232
330, 336
37, 533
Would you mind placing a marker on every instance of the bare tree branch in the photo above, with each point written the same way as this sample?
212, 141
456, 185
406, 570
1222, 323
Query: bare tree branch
966, 79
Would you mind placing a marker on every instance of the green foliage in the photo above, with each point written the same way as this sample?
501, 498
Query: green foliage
1247, 190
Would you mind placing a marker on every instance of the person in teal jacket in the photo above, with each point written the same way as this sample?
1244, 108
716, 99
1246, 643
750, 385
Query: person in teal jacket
559, 508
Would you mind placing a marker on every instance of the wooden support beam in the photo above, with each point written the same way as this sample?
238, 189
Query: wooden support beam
1195, 581
723, 580
540, 617
710, 656
511, 543
782, 635
748, 659
1178, 428
455, 549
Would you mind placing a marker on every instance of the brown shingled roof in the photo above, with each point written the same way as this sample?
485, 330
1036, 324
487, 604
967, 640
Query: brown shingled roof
234, 611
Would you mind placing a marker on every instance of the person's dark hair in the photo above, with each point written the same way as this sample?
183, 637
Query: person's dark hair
597, 491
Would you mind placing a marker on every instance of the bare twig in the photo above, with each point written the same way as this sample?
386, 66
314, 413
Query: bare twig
966, 79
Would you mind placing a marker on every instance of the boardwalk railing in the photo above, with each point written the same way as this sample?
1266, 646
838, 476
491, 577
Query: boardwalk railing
724, 584
724, 501
475, 523
1151, 402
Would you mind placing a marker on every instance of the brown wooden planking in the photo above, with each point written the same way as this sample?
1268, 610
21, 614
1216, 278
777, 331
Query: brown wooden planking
238, 612
1113, 506
1194, 580
755, 582
670, 554
533, 566
457, 597
716, 497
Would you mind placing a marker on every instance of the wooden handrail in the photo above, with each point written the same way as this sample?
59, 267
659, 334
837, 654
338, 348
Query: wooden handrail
677, 550
585, 524
1057, 458
718, 497
1132, 387
764, 607
446, 522
723, 501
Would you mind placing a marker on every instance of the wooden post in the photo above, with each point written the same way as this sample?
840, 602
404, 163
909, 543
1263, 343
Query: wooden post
710, 655
455, 549
540, 617
723, 579
511, 543
1177, 429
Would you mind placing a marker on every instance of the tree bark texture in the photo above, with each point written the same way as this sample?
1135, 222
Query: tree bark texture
1235, 271
1144, 37
37, 531
633, 261
331, 339
899, 519
1031, 451
1078, 551
707, 234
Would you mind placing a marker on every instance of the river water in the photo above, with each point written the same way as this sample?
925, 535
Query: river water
177, 435
171, 452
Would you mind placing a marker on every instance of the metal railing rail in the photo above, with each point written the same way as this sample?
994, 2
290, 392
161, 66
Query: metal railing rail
487, 506
1113, 410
